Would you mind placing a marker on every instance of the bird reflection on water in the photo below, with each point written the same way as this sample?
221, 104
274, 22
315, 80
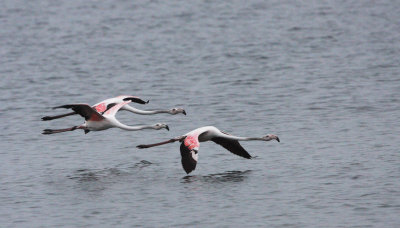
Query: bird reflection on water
225, 177
87, 175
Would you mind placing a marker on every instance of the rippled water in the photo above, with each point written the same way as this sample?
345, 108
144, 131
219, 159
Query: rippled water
324, 76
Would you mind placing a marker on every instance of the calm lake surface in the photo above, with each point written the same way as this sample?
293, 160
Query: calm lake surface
323, 76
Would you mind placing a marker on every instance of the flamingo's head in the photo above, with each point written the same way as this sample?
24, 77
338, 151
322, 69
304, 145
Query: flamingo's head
159, 126
175, 111
270, 137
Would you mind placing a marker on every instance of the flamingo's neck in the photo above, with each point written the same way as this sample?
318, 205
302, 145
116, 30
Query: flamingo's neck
243, 138
136, 128
143, 112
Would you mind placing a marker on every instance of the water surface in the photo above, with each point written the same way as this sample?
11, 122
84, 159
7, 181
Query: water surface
322, 76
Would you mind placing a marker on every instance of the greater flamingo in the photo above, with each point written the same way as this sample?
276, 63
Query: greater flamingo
191, 143
94, 121
103, 106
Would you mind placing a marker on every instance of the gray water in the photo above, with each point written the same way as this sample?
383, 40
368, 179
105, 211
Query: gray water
323, 76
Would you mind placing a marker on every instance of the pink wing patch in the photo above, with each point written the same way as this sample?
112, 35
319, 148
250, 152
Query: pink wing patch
192, 141
101, 107
115, 108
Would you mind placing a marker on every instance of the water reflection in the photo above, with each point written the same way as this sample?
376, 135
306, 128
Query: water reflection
228, 176
140, 165
89, 175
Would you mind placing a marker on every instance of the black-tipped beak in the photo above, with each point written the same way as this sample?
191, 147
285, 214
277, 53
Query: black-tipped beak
184, 112
166, 127
277, 139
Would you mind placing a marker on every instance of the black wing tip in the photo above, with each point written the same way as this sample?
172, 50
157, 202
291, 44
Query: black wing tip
47, 132
188, 168
62, 106
232, 146
188, 171
45, 118
136, 100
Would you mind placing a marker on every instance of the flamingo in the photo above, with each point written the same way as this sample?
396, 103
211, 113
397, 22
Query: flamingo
94, 121
190, 143
103, 106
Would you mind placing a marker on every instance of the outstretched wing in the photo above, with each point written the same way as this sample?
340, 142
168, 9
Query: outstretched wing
189, 154
84, 110
45, 118
134, 99
233, 146
114, 109
189, 158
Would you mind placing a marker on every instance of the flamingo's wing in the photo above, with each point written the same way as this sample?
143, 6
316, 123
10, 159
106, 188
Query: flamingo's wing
188, 154
233, 146
114, 109
103, 107
134, 99
45, 118
189, 158
84, 110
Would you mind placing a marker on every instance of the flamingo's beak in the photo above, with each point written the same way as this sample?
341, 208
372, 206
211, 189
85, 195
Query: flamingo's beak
184, 112
166, 127
277, 139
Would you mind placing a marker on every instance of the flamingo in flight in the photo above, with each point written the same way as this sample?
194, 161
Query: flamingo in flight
94, 121
103, 106
190, 143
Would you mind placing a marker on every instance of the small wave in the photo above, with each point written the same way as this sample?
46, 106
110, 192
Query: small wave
87, 175
228, 176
